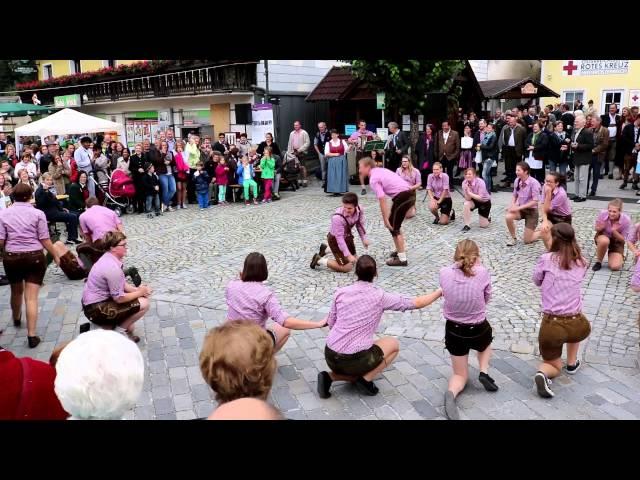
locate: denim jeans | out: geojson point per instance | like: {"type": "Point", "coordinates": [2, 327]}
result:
{"type": "Point", "coordinates": [168, 186]}
{"type": "Point", "coordinates": [276, 183]}
{"type": "Point", "coordinates": [594, 173]}
{"type": "Point", "coordinates": [203, 199]}
{"type": "Point", "coordinates": [155, 199]}
{"type": "Point", "coordinates": [486, 173]}
{"type": "Point", "coordinates": [553, 166]}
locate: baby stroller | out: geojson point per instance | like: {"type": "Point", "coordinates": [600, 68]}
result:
{"type": "Point", "coordinates": [117, 192]}
{"type": "Point", "coordinates": [290, 171]}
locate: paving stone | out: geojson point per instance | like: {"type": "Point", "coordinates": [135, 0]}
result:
{"type": "Point", "coordinates": [425, 409]}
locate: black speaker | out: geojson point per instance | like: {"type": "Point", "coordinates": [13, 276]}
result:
{"type": "Point", "coordinates": [243, 113]}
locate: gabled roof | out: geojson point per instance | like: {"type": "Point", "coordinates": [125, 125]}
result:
{"type": "Point", "coordinates": [511, 86]}
{"type": "Point", "coordinates": [340, 84]}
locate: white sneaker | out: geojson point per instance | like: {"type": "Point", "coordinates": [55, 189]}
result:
{"type": "Point", "coordinates": [542, 383]}
{"type": "Point", "coordinates": [169, 208]}
{"type": "Point", "coordinates": [511, 241]}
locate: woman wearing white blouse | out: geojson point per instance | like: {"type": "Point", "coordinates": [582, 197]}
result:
{"type": "Point", "coordinates": [335, 151]}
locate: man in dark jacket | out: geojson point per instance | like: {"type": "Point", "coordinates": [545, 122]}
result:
{"type": "Point", "coordinates": [600, 145]}
{"type": "Point", "coordinates": [397, 146]}
{"type": "Point", "coordinates": [567, 118]}
{"type": "Point", "coordinates": [512, 139]}
{"type": "Point", "coordinates": [52, 208]}
{"type": "Point", "coordinates": [613, 123]}
{"type": "Point", "coordinates": [582, 150]}
{"type": "Point", "coordinates": [629, 142]}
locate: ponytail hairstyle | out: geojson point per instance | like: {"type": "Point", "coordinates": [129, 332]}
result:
{"type": "Point", "coordinates": [561, 180]}
{"type": "Point", "coordinates": [564, 246]}
{"type": "Point", "coordinates": [467, 254]}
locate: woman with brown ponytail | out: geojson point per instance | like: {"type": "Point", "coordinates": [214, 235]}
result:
{"type": "Point", "coordinates": [559, 274]}
{"type": "Point", "coordinates": [466, 289]}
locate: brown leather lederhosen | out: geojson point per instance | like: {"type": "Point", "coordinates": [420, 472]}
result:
{"type": "Point", "coordinates": [348, 238]}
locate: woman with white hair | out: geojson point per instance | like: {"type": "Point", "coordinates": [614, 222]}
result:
{"type": "Point", "coordinates": [99, 376]}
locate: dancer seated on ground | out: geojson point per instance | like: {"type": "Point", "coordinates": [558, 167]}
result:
{"type": "Point", "coordinates": [249, 299]}
{"type": "Point", "coordinates": [351, 352]}
{"type": "Point", "coordinates": [440, 202]}
{"type": "Point", "coordinates": [612, 229]}
{"type": "Point", "coordinates": [340, 236]}
{"type": "Point", "coordinates": [100, 376]}
{"type": "Point", "coordinates": [52, 208]}
{"type": "Point", "coordinates": [237, 361]}
{"type": "Point", "coordinates": [38, 401]}
{"type": "Point", "coordinates": [477, 196]}
{"type": "Point", "coordinates": [466, 289]}
{"type": "Point", "coordinates": [524, 205]}
{"type": "Point", "coordinates": [410, 175]}
{"type": "Point", "coordinates": [559, 274]}
{"type": "Point", "coordinates": [108, 300]}
{"type": "Point", "coordinates": [554, 205]}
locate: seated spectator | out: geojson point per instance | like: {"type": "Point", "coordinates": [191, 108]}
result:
{"type": "Point", "coordinates": [108, 300]}
{"type": "Point", "coordinates": [36, 402]}
{"type": "Point", "coordinates": [10, 155]}
{"type": "Point", "coordinates": [79, 194]}
{"type": "Point", "coordinates": [237, 361]}
{"type": "Point", "coordinates": [99, 376]}
{"type": "Point", "coordinates": [5, 192]}
{"type": "Point", "coordinates": [6, 170]}
{"type": "Point", "coordinates": [123, 161]}
{"type": "Point", "coordinates": [52, 208]}
{"type": "Point", "coordinates": [26, 164]}
{"type": "Point", "coordinates": [246, 409]}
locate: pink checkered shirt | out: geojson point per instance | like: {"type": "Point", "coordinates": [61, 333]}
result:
{"type": "Point", "coordinates": [465, 298]}
{"type": "Point", "coordinates": [338, 227]}
{"type": "Point", "coordinates": [559, 202]}
{"type": "Point", "coordinates": [477, 187]}
{"type": "Point", "coordinates": [560, 288]}
{"type": "Point", "coordinates": [385, 182]}
{"type": "Point", "coordinates": [412, 179]}
{"type": "Point", "coordinates": [253, 301]}
{"type": "Point", "coordinates": [438, 184]}
{"type": "Point", "coordinates": [527, 190]}
{"type": "Point", "coordinates": [22, 227]}
{"type": "Point", "coordinates": [355, 314]}
{"type": "Point", "coordinates": [625, 224]}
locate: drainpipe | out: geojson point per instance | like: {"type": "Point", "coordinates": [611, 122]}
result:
{"type": "Point", "coordinates": [266, 80]}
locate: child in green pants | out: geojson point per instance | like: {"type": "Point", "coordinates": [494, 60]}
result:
{"type": "Point", "coordinates": [245, 178]}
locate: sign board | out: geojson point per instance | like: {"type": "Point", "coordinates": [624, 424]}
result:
{"type": "Point", "coordinates": [528, 89]}
{"type": "Point", "coordinates": [380, 98]}
{"type": "Point", "coordinates": [383, 133]}
{"type": "Point", "coordinates": [634, 98]}
{"type": "Point", "coordinates": [26, 70]}
{"type": "Point", "coordinates": [65, 101]}
{"type": "Point", "coordinates": [350, 129]}
{"type": "Point", "coordinates": [595, 67]}
{"type": "Point", "coordinates": [163, 119]}
{"type": "Point", "coordinates": [261, 121]}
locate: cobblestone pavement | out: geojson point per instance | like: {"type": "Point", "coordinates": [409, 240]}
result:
{"type": "Point", "coordinates": [188, 256]}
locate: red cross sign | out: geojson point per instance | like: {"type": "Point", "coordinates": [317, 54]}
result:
{"type": "Point", "coordinates": [635, 98]}
{"type": "Point", "coordinates": [570, 67]}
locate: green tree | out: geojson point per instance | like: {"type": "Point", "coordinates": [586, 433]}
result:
{"type": "Point", "coordinates": [407, 83]}
{"type": "Point", "coordinates": [16, 71]}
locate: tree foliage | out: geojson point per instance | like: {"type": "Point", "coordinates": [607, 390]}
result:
{"type": "Point", "coordinates": [12, 72]}
{"type": "Point", "coordinates": [406, 83]}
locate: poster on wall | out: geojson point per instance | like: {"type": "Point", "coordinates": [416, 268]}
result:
{"type": "Point", "coordinates": [262, 122]}
{"type": "Point", "coordinates": [634, 98]}
{"type": "Point", "coordinates": [131, 135]}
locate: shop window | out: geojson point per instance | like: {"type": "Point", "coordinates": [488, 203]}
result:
{"type": "Point", "coordinates": [570, 97]}
{"type": "Point", "coordinates": [47, 71]}
{"type": "Point", "coordinates": [611, 96]}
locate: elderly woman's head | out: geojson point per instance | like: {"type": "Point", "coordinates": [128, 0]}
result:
{"type": "Point", "coordinates": [99, 375]}
{"type": "Point", "coordinates": [237, 361]}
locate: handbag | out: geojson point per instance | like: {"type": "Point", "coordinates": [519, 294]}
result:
{"type": "Point", "coordinates": [478, 158]}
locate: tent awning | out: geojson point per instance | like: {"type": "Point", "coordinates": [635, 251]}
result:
{"type": "Point", "coordinates": [23, 109]}
{"type": "Point", "coordinates": [68, 122]}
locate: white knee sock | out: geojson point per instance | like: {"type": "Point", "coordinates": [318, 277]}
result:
{"type": "Point", "coordinates": [402, 256]}
{"type": "Point", "coordinates": [323, 261]}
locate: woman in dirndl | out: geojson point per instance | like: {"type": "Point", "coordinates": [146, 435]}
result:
{"type": "Point", "coordinates": [335, 151]}
{"type": "Point", "coordinates": [467, 151]}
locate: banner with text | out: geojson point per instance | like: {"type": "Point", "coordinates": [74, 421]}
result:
{"type": "Point", "coordinates": [262, 122]}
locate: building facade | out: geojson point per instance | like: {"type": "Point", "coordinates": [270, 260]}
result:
{"type": "Point", "coordinates": [203, 96]}
{"type": "Point", "coordinates": [603, 81]}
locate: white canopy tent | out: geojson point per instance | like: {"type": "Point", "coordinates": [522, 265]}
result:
{"type": "Point", "coordinates": [68, 122]}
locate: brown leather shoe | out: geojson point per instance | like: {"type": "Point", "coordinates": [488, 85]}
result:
{"type": "Point", "coordinates": [396, 262]}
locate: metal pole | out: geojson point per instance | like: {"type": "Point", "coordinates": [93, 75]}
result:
{"type": "Point", "coordinates": [266, 80]}
{"type": "Point", "coordinates": [384, 156]}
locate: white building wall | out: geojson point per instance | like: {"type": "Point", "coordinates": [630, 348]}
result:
{"type": "Point", "coordinates": [294, 75]}
{"type": "Point", "coordinates": [480, 69]}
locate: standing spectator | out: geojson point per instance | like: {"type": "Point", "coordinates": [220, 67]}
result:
{"type": "Point", "coordinates": [621, 146]}
{"type": "Point", "coordinates": [537, 144]}
{"type": "Point", "coordinates": [10, 154]}
{"type": "Point", "coordinates": [472, 123]}
{"type": "Point", "coordinates": [123, 161]}
{"type": "Point", "coordinates": [299, 144]}
{"type": "Point", "coordinates": [567, 118]}
{"type": "Point", "coordinates": [578, 105]}
{"type": "Point", "coordinates": [359, 139]}
{"type": "Point", "coordinates": [488, 144]}
{"type": "Point", "coordinates": [151, 190]}
{"type": "Point", "coordinates": [448, 149]}
{"type": "Point", "coordinates": [559, 149]}
{"type": "Point", "coordinates": [591, 110]}
{"type": "Point", "coordinates": [221, 145]}
{"type": "Point", "coordinates": [582, 147]}
{"type": "Point", "coordinates": [61, 174]}
{"type": "Point", "coordinates": [335, 151]}
{"type": "Point", "coordinates": [222, 180]}
{"type": "Point", "coordinates": [3, 143]}
{"type": "Point", "coordinates": [136, 165]}
{"type": "Point", "coordinates": [599, 152]}
{"type": "Point", "coordinates": [165, 166]}
{"type": "Point", "coordinates": [396, 146]}
{"type": "Point", "coordinates": [548, 111]}
{"type": "Point", "coordinates": [411, 175]}
{"type": "Point", "coordinates": [467, 148]}
{"type": "Point", "coordinates": [182, 174]}
{"type": "Point", "coordinates": [83, 157]}
{"type": "Point", "coordinates": [211, 159]}
{"type": "Point", "coordinates": [171, 141]}
{"type": "Point", "coordinates": [79, 194]}
{"type": "Point", "coordinates": [23, 234]}
{"type": "Point", "coordinates": [193, 157]}
{"type": "Point", "coordinates": [613, 123]}
{"type": "Point", "coordinates": [629, 143]}
{"type": "Point", "coordinates": [46, 159]}
{"type": "Point", "coordinates": [202, 180]}
{"type": "Point", "coordinates": [425, 149]}
{"type": "Point", "coordinates": [243, 145]}
{"type": "Point", "coordinates": [321, 137]}
{"type": "Point", "coordinates": [498, 122]}
{"type": "Point", "coordinates": [27, 164]}
{"type": "Point", "coordinates": [53, 210]}
{"type": "Point", "coordinates": [267, 167]}
{"type": "Point", "coordinates": [512, 141]}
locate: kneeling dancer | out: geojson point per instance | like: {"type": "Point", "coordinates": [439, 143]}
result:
{"type": "Point", "coordinates": [559, 273]}
{"type": "Point", "coordinates": [340, 236]}
{"type": "Point", "coordinates": [477, 196]}
{"type": "Point", "coordinates": [466, 289]}
{"type": "Point", "coordinates": [524, 205]}
{"type": "Point", "coordinates": [612, 229]}
{"type": "Point", "coordinates": [440, 202]}
{"type": "Point", "coordinates": [554, 205]}
{"type": "Point", "coordinates": [351, 352]}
